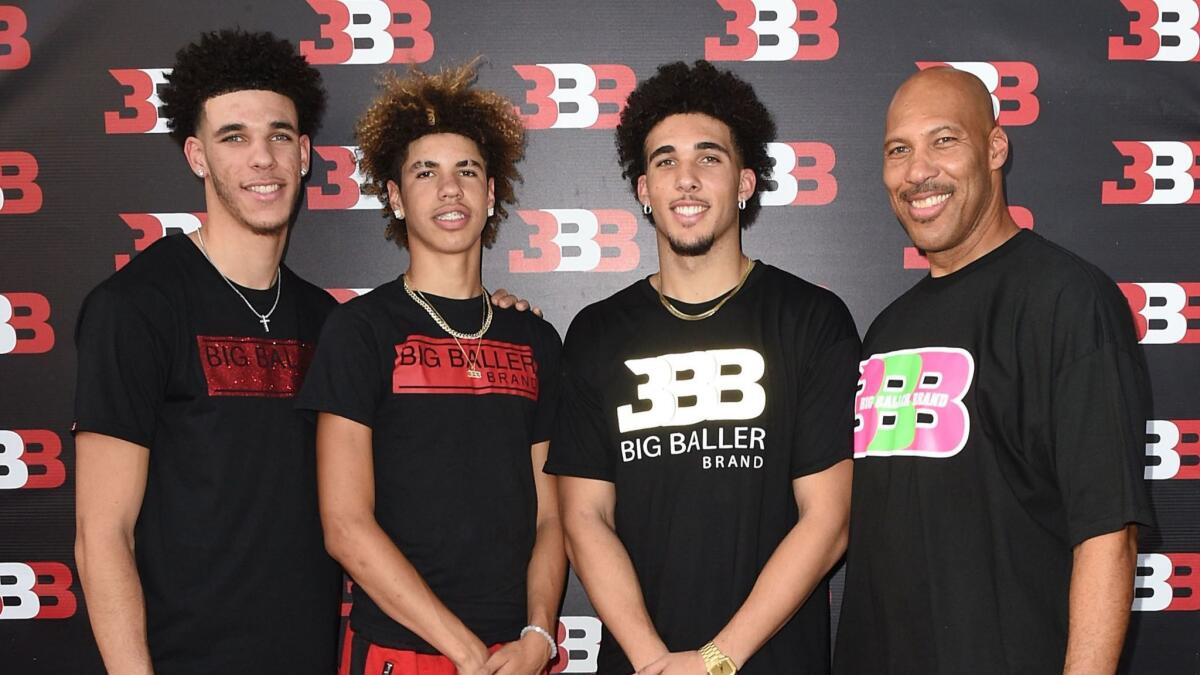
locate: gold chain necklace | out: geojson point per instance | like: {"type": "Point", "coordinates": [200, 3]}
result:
{"type": "Point", "coordinates": [710, 311]}
{"type": "Point", "coordinates": [419, 298]}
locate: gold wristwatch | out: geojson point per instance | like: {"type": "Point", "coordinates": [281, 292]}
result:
{"type": "Point", "coordinates": [715, 661]}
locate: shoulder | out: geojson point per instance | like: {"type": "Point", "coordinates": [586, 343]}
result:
{"type": "Point", "coordinates": [630, 298]}
{"type": "Point", "coordinates": [805, 301]}
{"type": "Point", "coordinates": [311, 295]}
{"type": "Point", "coordinates": [1062, 282]}
{"type": "Point", "coordinates": [152, 281]}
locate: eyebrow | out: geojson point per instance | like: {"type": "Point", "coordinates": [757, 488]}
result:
{"type": "Point", "coordinates": [896, 139]}
{"type": "Point", "coordinates": [702, 145]}
{"type": "Point", "coordinates": [238, 126]}
{"type": "Point", "coordinates": [430, 164]}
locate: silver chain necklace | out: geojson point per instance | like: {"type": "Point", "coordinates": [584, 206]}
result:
{"type": "Point", "coordinates": [264, 319]}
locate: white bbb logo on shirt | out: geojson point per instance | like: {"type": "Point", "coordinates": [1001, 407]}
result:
{"type": "Point", "coordinates": [665, 391]}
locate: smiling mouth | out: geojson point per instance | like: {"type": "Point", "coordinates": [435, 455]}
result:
{"type": "Point", "coordinates": [690, 209]}
{"type": "Point", "coordinates": [929, 202]}
{"type": "Point", "coordinates": [264, 189]}
{"type": "Point", "coordinates": [451, 217]}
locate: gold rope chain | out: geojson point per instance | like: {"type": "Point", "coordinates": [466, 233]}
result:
{"type": "Point", "coordinates": [712, 310]}
{"type": "Point", "coordinates": [419, 298]}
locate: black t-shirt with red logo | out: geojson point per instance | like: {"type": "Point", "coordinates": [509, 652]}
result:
{"type": "Point", "coordinates": [453, 474]}
{"type": "Point", "coordinates": [702, 426]}
{"type": "Point", "coordinates": [1000, 421]}
{"type": "Point", "coordinates": [228, 541]}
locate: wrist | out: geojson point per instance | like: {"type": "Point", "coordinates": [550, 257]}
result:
{"type": "Point", "coordinates": [716, 661]}
{"type": "Point", "coordinates": [542, 636]}
{"type": "Point", "coordinates": [468, 649]}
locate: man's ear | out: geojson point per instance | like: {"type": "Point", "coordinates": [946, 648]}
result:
{"type": "Point", "coordinates": [193, 151]}
{"type": "Point", "coordinates": [395, 200]}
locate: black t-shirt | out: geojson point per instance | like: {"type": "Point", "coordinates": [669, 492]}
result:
{"type": "Point", "coordinates": [453, 473]}
{"type": "Point", "coordinates": [228, 540]}
{"type": "Point", "coordinates": [999, 422]}
{"type": "Point", "coordinates": [702, 426]}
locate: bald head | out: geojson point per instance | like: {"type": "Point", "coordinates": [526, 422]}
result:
{"type": "Point", "coordinates": [954, 92]}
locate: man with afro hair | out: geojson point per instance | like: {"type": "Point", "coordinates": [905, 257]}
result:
{"type": "Point", "coordinates": [435, 409]}
{"type": "Point", "coordinates": [198, 537]}
{"type": "Point", "coordinates": [703, 444]}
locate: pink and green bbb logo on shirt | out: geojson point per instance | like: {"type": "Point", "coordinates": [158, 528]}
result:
{"type": "Point", "coordinates": [909, 403]}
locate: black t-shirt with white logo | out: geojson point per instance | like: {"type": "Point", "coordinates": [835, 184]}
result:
{"type": "Point", "coordinates": [1000, 421]}
{"type": "Point", "coordinates": [228, 541]}
{"type": "Point", "coordinates": [702, 427]}
{"type": "Point", "coordinates": [453, 474]}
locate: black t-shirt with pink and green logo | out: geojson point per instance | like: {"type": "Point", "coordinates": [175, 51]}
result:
{"type": "Point", "coordinates": [999, 421]}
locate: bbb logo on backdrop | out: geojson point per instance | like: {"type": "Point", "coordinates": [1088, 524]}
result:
{"type": "Point", "coordinates": [347, 294]}
{"type": "Point", "coordinates": [29, 459]}
{"type": "Point", "coordinates": [775, 30]}
{"type": "Point", "coordinates": [1156, 172]}
{"type": "Point", "coordinates": [139, 111]}
{"type": "Point", "coordinates": [36, 590]}
{"type": "Point", "coordinates": [1172, 450]}
{"type": "Point", "coordinates": [1164, 313]}
{"type": "Point", "coordinates": [802, 175]}
{"type": "Point", "coordinates": [366, 32]}
{"type": "Point", "coordinates": [914, 258]}
{"type": "Point", "coordinates": [1011, 84]}
{"type": "Point", "coordinates": [14, 48]}
{"type": "Point", "coordinates": [574, 95]}
{"type": "Point", "coordinates": [24, 324]}
{"type": "Point", "coordinates": [344, 177]}
{"type": "Point", "coordinates": [578, 240]}
{"type": "Point", "coordinates": [1164, 30]}
{"type": "Point", "coordinates": [19, 192]}
{"type": "Point", "coordinates": [150, 227]}
{"type": "Point", "coordinates": [1167, 582]}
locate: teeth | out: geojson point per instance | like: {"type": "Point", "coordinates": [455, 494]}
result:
{"type": "Point", "coordinates": [452, 216]}
{"type": "Point", "coordinates": [688, 210]}
{"type": "Point", "coordinates": [930, 201]}
{"type": "Point", "coordinates": [263, 189]}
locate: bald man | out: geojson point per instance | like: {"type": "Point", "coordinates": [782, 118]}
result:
{"type": "Point", "coordinates": [999, 426]}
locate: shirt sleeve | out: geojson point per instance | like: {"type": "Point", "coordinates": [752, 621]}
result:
{"type": "Point", "coordinates": [345, 377]}
{"type": "Point", "coordinates": [123, 368]}
{"type": "Point", "coordinates": [549, 382]}
{"type": "Point", "coordinates": [825, 409]}
{"type": "Point", "coordinates": [580, 444]}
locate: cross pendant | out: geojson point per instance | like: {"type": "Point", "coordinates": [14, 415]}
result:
{"type": "Point", "coordinates": [264, 321]}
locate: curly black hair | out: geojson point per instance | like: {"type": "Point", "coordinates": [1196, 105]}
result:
{"type": "Point", "coordinates": [679, 89]}
{"type": "Point", "coordinates": [226, 61]}
{"type": "Point", "coordinates": [419, 104]}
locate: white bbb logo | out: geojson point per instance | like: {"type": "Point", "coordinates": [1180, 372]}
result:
{"type": "Point", "coordinates": [665, 390]}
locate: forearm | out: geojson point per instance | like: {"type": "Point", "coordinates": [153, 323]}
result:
{"type": "Point", "coordinates": [604, 567]}
{"type": "Point", "coordinates": [115, 604]}
{"type": "Point", "coordinates": [375, 563]}
{"type": "Point", "coordinates": [1100, 597]}
{"type": "Point", "coordinates": [546, 576]}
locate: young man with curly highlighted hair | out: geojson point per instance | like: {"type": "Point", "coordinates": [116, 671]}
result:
{"type": "Point", "coordinates": [703, 445]}
{"type": "Point", "coordinates": [198, 537]}
{"type": "Point", "coordinates": [435, 409]}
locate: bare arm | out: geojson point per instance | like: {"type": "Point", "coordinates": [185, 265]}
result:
{"type": "Point", "coordinates": [346, 482]}
{"type": "Point", "coordinates": [1100, 597]}
{"type": "Point", "coordinates": [109, 485]}
{"type": "Point", "coordinates": [806, 554]}
{"type": "Point", "coordinates": [603, 565]}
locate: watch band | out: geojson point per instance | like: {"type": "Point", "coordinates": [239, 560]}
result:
{"type": "Point", "coordinates": [715, 661]}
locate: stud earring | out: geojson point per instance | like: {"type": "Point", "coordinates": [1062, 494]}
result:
{"type": "Point", "coordinates": [200, 173]}
{"type": "Point", "coordinates": [491, 211]}
{"type": "Point", "coordinates": [398, 213]}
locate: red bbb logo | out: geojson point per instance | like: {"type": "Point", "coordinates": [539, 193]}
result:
{"type": "Point", "coordinates": [914, 258]}
{"type": "Point", "coordinates": [24, 327]}
{"type": "Point", "coordinates": [783, 22]}
{"type": "Point", "coordinates": [578, 645]}
{"type": "Point", "coordinates": [344, 177]}
{"type": "Point", "coordinates": [155, 226]}
{"type": "Point", "coordinates": [14, 48]}
{"type": "Point", "coordinates": [1167, 582]}
{"type": "Point", "coordinates": [578, 240]}
{"type": "Point", "coordinates": [36, 590]}
{"type": "Point", "coordinates": [596, 92]}
{"type": "Point", "coordinates": [19, 194]}
{"type": "Point", "coordinates": [352, 23]}
{"type": "Point", "coordinates": [30, 459]}
{"type": "Point", "coordinates": [1164, 313]}
{"type": "Point", "coordinates": [802, 174]}
{"type": "Point", "coordinates": [347, 294]}
{"type": "Point", "coordinates": [1164, 30]}
{"type": "Point", "coordinates": [1173, 449]}
{"type": "Point", "coordinates": [142, 101]}
{"type": "Point", "coordinates": [1151, 164]}
{"type": "Point", "coordinates": [1011, 83]}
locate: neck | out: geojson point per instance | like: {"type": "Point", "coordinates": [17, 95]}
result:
{"type": "Point", "coordinates": [245, 258]}
{"type": "Point", "coordinates": [696, 279]}
{"type": "Point", "coordinates": [997, 227]}
{"type": "Point", "coordinates": [450, 276]}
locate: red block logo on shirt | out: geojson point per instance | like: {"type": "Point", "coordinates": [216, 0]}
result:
{"type": "Point", "coordinates": [575, 95]}
{"type": "Point", "coordinates": [243, 366]}
{"type": "Point", "coordinates": [914, 258]}
{"type": "Point", "coordinates": [366, 32]}
{"type": "Point", "coordinates": [150, 227]}
{"type": "Point", "coordinates": [803, 174]}
{"type": "Point", "coordinates": [1167, 582]}
{"type": "Point", "coordinates": [1011, 83]}
{"type": "Point", "coordinates": [1164, 30]}
{"type": "Point", "coordinates": [1156, 172]}
{"type": "Point", "coordinates": [24, 324]}
{"type": "Point", "coordinates": [1164, 313]}
{"type": "Point", "coordinates": [1173, 449]}
{"type": "Point", "coordinates": [770, 30]}
{"type": "Point", "coordinates": [19, 193]}
{"type": "Point", "coordinates": [343, 187]}
{"type": "Point", "coordinates": [426, 365]}
{"type": "Point", "coordinates": [578, 240]}
{"type": "Point", "coordinates": [29, 459]}
{"type": "Point", "coordinates": [139, 111]}
{"type": "Point", "coordinates": [14, 48]}
{"type": "Point", "coordinates": [36, 590]}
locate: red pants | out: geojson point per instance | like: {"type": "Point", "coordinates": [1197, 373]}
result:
{"type": "Point", "coordinates": [371, 659]}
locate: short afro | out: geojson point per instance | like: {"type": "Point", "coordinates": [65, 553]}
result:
{"type": "Point", "coordinates": [679, 89]}
{"type": "Point", "coordinates": [419, 104]}
{"type": "Point", "coordinates": [226, 61]}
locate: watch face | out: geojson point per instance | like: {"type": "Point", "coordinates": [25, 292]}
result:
{"type": "Point", "coordinates": [724, 667]}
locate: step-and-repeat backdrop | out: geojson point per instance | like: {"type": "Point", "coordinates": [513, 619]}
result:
{"type": "Point", "coordinates": [1101, 100]}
